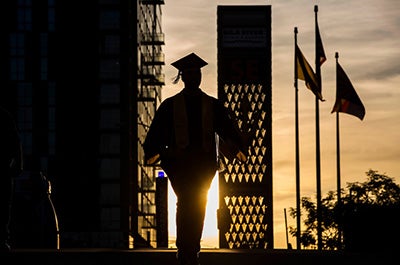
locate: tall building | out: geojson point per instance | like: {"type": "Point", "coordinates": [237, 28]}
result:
{"type": "Point", "coordinates": [245, 88]}
{"type": "Point", "coordinates": [83, 80]}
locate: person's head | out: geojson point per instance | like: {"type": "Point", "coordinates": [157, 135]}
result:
{"type": "Point", "coordinates": [191, 77]}
{"type": "Point", "coordinates": [189, 69]}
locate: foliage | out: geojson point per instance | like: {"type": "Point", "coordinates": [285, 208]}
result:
{"type": "Point", "coordinates": [378, 190]}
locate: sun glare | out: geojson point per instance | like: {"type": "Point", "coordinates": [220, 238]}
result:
{"type": "Point", "coordinates": [210, 231]}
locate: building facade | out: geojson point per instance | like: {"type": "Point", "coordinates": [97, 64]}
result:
{"type": "Point", "coordinates": [83, 80]}
{"type": "Point", "coordinates": [245, 88]}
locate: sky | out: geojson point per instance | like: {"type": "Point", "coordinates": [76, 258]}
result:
{"type": "Point", "coordinates": [366, 35]}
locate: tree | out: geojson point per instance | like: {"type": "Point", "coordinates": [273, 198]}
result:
{"type": "Point", "coordinates": [377, 192]}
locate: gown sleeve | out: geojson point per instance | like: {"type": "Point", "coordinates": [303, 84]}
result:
{"type": "Point", "coordinates": [155, 139]}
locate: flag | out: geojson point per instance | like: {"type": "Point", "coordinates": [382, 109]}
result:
{"type": "Point", "coordinates": [306, 73]}
{"type": "Point", "coordinates": [319, 47]}
{"type": "Point", "coordinates": [347, 100]}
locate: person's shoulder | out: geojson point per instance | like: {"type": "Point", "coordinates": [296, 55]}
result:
{"type": "Point", "coordinates": [212, 98]}
{"type": "Point", "coordinates": [170, 99]}
{"type": "Point", "coordinates": [166, 104]}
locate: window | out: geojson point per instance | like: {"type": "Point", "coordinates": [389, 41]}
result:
{"type": "Point", "coordinates": [109, 19]}
{"type": "Point", "coordinates": [109, 94]}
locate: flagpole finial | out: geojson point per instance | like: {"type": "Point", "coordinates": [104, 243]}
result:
{"type": "Point", "coordinates": [336, 55]}
{"type": "Point", "coordinates": [295, 30]}
{"type": "Point", "coordinates": [316, 8]}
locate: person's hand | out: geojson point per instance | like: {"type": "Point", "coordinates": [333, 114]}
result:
{"type": "Point", "coordinates": [242, 157]}
{"type": "Point", "coordinates": [152, 159]}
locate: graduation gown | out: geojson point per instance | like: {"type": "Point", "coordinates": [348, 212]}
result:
{"type": "Point", "coordinates": [183, 133]}
{"type": "Point", "coordinates": [184, 129]}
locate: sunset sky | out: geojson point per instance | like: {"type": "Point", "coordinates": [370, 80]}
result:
{"type": "Point", "coordinates": [366, 35]}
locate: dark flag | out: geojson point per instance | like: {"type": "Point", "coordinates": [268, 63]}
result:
{"type": "Point", "coordinates": [306, 73]}
{"type": "Point", "coordinates": [347, 100]}
{"type": "Point", "coordinates": [320, 47]}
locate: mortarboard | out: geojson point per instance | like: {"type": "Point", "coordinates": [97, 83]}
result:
{"type": "Point", "coordinates": [188, 62]}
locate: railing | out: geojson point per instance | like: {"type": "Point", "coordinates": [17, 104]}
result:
{"type": "Point", "coordinates": [153, 59]}
{"type": "Point", "coordinates": [153, 38]}
{"type": "Point", "coordinates": [155, 80]}
{"type": "Point", "coordinates": [152, 2]}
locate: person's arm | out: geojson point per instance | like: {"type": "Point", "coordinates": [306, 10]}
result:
{"type": "Point", "coordinates": [152, 160]}
{"type": "Point", "coordinates": [151, 143]}
{"type": "Point", "coordinates": [155, 138]}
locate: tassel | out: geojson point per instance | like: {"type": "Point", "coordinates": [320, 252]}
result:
{"type": "Point", "coordinates": [176, 78]}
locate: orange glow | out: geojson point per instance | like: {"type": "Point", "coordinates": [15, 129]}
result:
{"type": "Point", "coordinates": [210, 231]}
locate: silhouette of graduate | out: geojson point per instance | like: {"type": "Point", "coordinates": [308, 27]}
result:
{"type": "Point", "coordinates": [182, 137]}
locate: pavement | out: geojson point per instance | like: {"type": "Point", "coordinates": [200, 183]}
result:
{"type": "Point", "coordinates": [207, 257]}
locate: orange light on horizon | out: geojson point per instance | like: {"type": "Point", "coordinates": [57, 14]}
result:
{"type": "Point", "coordinates": [210, 231]}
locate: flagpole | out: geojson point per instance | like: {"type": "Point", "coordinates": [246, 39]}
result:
{"type": "Point", "coordinates": [317, 138]}
{"type": "Point", "coordinates": [339, 200]}
{"type": "Point", "coordinates": [298, 209]}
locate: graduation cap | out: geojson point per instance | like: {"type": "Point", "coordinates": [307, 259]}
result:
{"type": "Point", "coordinates": [191, 61]}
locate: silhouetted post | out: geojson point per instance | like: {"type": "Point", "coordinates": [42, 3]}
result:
{"type": "Point", "coordinates": [317, 144]}
{"type": "Point", "coordinates": [339, 200]}
{"type": "Point", "coordinates": [298, 209]}
{"type": "Point", "coordinates": [162, 209]}
{"type": "Point", "coordinates": [289, 246]}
